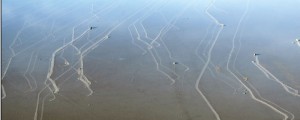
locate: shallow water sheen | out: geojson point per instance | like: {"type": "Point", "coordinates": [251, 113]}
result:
{"type": "Point", "coordinates": [150, 60]}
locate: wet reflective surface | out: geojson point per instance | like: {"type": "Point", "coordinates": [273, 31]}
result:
{"type": "Point", "coordinates": [150, 60]}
